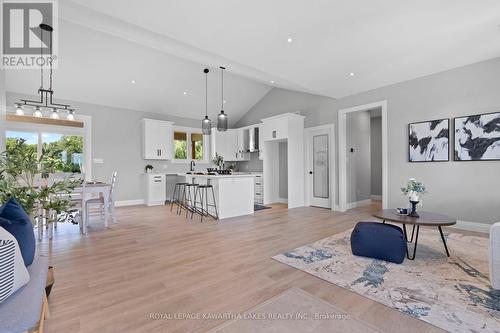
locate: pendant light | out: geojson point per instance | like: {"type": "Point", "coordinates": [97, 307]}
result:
{"type": "Point", "coordinates": [206, 123]}
{"type": "Point", "coordinates": [222, 117]}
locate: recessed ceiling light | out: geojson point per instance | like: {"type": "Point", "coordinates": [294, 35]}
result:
{"type": "Point", "coordinates": [133, 81]}
{"type": "Point", "coordinates": [351, 74]}
{"type": "Point", "coordinates": [224, 101]}
{"type": "Point", "coordinates": [289, 40]}
{"type": "Point", "coordinates": [185, 93]}
{"type": "Point", "coordinates": [272, 82]}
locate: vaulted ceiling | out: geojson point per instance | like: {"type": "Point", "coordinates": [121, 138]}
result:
{"type": "Point", "coordinates": [337, 48]}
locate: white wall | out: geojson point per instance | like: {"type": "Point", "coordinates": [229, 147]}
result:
{"type": "Point", "coordinates": [376, 155]}
{"type": "Point", "coordinates": [2, 110]}
{"type": "Point", "coordinates": [117, 138]}
{"type": "Point", "coordinates": [465, 190]}
{"type": "Point", "coordinates": [283, 169]}
{"type": "Point", "coordinates": [359, 161]}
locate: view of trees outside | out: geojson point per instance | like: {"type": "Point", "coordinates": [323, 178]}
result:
{"type": "Point", "coordinates": [64, 151]}
{"type": "Point", "coordinates": [180, 145]}
{"type": "Point", "coordinates": [197, 146]}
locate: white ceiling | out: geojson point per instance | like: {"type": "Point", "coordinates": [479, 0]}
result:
{"type": "Point", "coordinates": [381, 41]}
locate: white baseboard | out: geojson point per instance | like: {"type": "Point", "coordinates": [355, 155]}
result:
{"type": "Point", "coordinates": [282, 200]}
{"type": "Point", "coordinates": [351, 205]}
{"type": "Point", "coordinates": [124, 203]}
{"type": "Point", "coordinates": [376, 197]}
{"type": "Point", "coordinates": [472, 226]}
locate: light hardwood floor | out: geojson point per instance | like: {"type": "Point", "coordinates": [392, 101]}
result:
{"type": "Point", "coordinates": [111, 280]}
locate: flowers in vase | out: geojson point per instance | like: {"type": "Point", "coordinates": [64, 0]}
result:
{"type": "Point", "coordinates": [414, 189]}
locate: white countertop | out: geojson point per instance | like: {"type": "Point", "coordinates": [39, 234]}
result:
{"type": "Point", "coordinates": [215, 176]}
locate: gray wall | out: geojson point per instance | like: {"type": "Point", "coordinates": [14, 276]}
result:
{"type": "Point", "coordinates": [376, 155]}
{"type": "Point", "coordinates": [358, 162]}
{"type": "Point", "coordinates": [117, 138]}
{"type": "Point", "coordinates": [466, 190]}
{"type": "Point", "coordinates": [283, 170]}
{"type": "Point", "coordinates": [2, 110]}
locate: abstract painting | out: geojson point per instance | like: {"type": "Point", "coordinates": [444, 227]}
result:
{"type": "Point", "coordinates": [477, 138]}
{"type": "Point", "coordinates": [429, 141]}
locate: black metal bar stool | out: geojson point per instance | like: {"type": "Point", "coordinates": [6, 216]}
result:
{"type": "Point", "coordinates": [178, 195]}
{"type": "Point", "coordinates": [202, 193]}
{"type": "Point", "coordinates": [189, 198]}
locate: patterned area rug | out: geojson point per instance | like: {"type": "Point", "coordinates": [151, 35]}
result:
{"type": "Point", "coordinates": [453, 294]}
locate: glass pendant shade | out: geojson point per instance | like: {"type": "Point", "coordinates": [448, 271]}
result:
{"type": "Point", "coordinates": [206, 126]}
{"type": "Point", "coordinates": [71, 115]}
{"type": "Point", "coordinates": [55, 114]}
{"type": "Point", "coordinates": [222, 122]}
{"type": "Point", "coordinates": [37, 113]}
{"type": "Point", "coordinates": [19, 110]}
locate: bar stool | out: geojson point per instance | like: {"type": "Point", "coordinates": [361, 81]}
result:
{"type": "Point", "coordinates": [202, 193]}
{"type": "Point", "coordinates": [178, 195]}
{"type": "Point", "coordinates": [189, 198]}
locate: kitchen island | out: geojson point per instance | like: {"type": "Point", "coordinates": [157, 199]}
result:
{"type": "Point", "coordinates": [234, 194]}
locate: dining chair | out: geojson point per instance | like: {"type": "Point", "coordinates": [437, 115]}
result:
{"type": "Point", "coordinates": [100, 202]}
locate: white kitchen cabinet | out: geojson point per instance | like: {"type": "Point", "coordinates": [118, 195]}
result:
{"type": "Point", "coordinates": [156, 189]}
{"type": "Point", "coordinates": [229, 144]}
{"type": "Point", "coordinates": [274, 128]}
{"type": "Point", "coordinates": [157, 139]}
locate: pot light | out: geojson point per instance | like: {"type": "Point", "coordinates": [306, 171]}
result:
{"type": "Point", "coordinates": [351, 74]}
{"type": "Point", "coordinates": [133, 81]}
{"type": "Point", "coordinates": [224, 101]}
{"type": "Point", "coordinates": [272, 82]}
{"type": "Point", "coordinates": [37, 113]}
{"type": "Point", "coordinates": [289, 40]}
{"type": "Point", "coordinates": [185, 93]}
{"type": "Point", "coordinates": [19, 109]}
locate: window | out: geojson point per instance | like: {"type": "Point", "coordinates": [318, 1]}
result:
{"type": "Point", "coordinates": [197, 146]}
{"type": "Point", "coordinates": [180, 145]}
{"type": "Point", "coordinates": [65, 151]}
{"type": "Point", "coordinates": [30, 139]}
{"type": "Point", "coordinates": [189, 144]}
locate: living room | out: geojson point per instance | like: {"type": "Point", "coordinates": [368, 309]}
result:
{"type": "Point", "coordinates": [184, 167]}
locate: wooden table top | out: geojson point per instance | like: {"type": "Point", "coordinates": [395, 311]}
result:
{"type": "Point", "coordinates": [426, 218]}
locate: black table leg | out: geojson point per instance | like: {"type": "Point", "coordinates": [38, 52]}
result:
{"type": "Point", "coordinates": [444, 241]}
{"type": "Point", "coordinates": [406, 235]}
{"type": "Point", "coordinates": [415, 245]}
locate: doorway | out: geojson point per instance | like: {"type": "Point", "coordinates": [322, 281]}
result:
{"type": "Point", "coordinates": [346, 154]}
{"type": "Point", "coordinates": [319, 166]}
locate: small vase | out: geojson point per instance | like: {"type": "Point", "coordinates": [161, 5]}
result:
{"type": "Point", "coordinates": [413, 212]}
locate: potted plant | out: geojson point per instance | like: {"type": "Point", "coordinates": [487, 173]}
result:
{"type": "Point", "coordinates": [148, 168]}
{"type": "Point", "coordinates": [218, 160]}
{"type": "Point", "coordinates": [414, 190]}
{"type": "Point", "coordinates": [19, 167]}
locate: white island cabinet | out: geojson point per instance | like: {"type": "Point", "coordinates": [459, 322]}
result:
{"type": "Point", "coordinates": [234, 194]}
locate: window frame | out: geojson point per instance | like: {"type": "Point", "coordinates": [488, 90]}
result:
{"type": "Point", "coordinates": [189, 131]}
{"type": "Point", "coordinates": [39, 129]}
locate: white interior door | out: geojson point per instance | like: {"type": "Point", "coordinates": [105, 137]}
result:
{"type": "Point", "coordinates": [319, 160]}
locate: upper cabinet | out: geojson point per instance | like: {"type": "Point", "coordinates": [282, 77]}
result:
{"type": "Point", "coordinates": [230, 145]}
{"type": "Point", "coordinates": [280, 127]}
{"type": "Point", "coordinates": [157, 139]}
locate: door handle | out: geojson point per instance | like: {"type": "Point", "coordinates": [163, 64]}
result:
{"type": "Point", "coordinates": [310, 172]}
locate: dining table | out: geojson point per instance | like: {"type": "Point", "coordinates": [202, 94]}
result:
{"type": "Point", "coordinates": [89, 190]}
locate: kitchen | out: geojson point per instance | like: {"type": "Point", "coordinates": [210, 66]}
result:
{"type": "Point", "coordinates": [240, 182]}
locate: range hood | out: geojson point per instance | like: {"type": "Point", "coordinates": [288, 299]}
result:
{"type": "Point", "coordinates": [251, 139]}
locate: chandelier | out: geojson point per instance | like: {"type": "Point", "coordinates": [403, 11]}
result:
{"type": "Point", "coordinates": [46, 95]}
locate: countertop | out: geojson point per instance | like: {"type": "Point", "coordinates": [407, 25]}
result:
{"type": "Point", "coordinates": [215, 176]}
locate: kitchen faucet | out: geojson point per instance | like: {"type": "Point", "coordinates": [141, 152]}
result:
{"type": "Point", "coordinates": [191, 168]}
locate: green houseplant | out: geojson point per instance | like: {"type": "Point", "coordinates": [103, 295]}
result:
{"type": "Point", "coordinates": [148, 168]}
{"type": "Point", "coordinates": [19, 168]}
{"type": "Point", "coordinates": [218, 160]}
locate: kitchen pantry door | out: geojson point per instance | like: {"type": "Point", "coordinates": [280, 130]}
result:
{"type": "Point", "coordinates": [319, 160]}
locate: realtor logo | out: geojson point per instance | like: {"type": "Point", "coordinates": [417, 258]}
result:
{"type": "Point", "coordinates": [24, 44]}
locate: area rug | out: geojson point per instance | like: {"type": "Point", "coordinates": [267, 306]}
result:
{"type": "Point", "coordinates": [451, 293]}
{"type": "Point", "coordinates": [295, 311]}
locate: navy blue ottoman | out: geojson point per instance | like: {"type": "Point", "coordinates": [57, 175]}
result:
{"type": "Point", "coordinates": [378, 240]}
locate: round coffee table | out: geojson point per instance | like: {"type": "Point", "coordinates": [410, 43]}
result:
{"type": "Point", "coordinates": [426, 219]}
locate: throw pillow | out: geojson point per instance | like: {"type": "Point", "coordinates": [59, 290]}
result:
{"type": "Point", "coordinates": [13, 273]}
{"type": "Point", "coordinates": [14, 219]}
